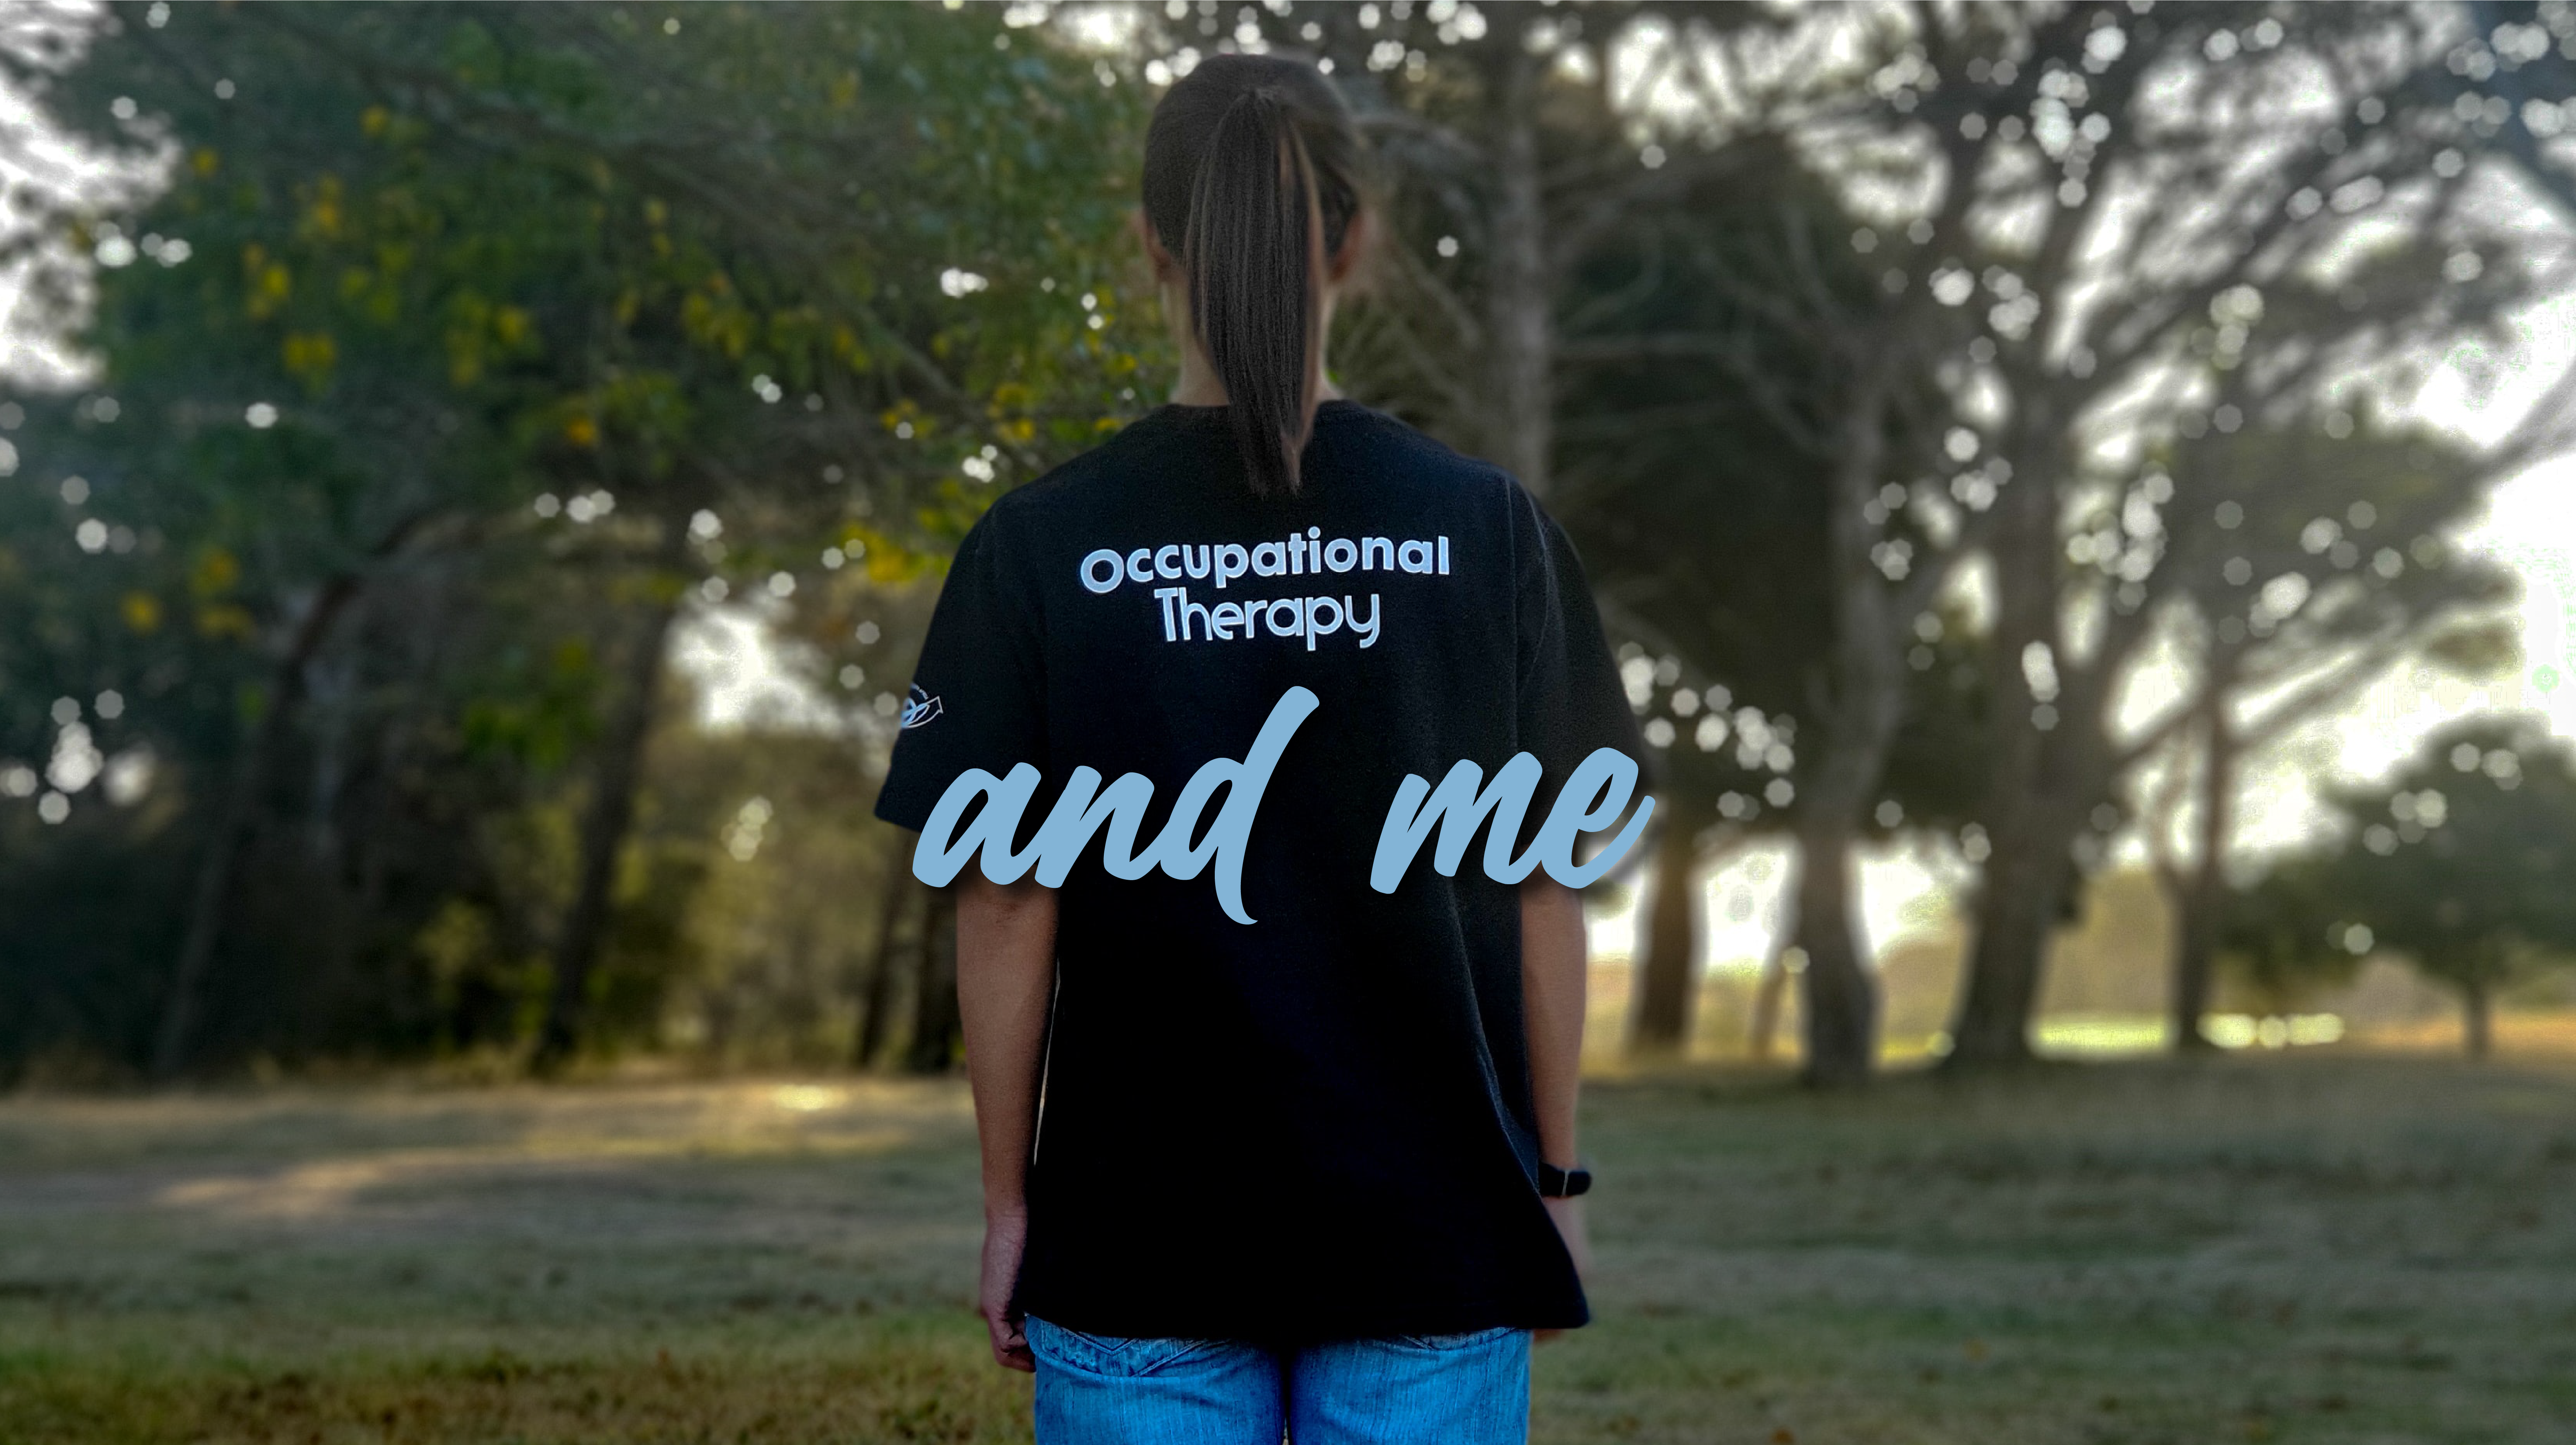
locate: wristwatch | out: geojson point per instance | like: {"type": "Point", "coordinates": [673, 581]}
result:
{"type": "Point", "coordinates": [1555, 1183]}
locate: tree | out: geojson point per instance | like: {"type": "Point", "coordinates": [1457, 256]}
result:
{"type": "Point", "coordinates": [2516, 65]}
{"type": "Point", "coordinates": [898, 893]}
{"type": "Point", "coordinates": [1697, 518]}
{"type": "Point", "coordinates": [2459, 861]}
{"type": "Point", "coordinates": [2148, 221]}
{"type": "Point", "coordinates": [582, 306]}
{"type": "Point", "coordinates": [2321, 568]}
{"type": "Point", "coordinates": [935, 1031]}
{"type": "Point", "coordinates": [2285, 933]}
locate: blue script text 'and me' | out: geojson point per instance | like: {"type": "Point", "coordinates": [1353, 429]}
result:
{"type": "Point", "coordinates": [1591, 800]}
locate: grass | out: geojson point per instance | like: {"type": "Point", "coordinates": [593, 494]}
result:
{"type": "Point", "coordinates": [2328, 1246]}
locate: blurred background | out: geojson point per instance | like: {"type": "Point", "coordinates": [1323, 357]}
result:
{"type": "Point", "coordinates": [2080, 492]}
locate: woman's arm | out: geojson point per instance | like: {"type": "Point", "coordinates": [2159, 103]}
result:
{"type": "Point", "coordinates": [1005, 981]}
{"type": "Point", "coordinates": [1552, 984]}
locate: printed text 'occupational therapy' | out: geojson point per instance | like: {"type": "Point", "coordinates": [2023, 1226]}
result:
{"type": "Point", "coordinates": [1186, 618]}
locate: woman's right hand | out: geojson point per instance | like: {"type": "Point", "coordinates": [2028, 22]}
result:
{"type": "Point", "coordinates": [1006, 1238]}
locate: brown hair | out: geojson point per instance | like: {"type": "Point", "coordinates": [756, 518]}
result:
{"type": "Point", "coordinates": [1253, 174]}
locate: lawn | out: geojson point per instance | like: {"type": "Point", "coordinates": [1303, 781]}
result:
{"type": "Point", "coordinates": [2334, 1246]}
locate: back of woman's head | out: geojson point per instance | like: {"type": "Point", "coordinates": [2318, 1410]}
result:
{"type": "Point", "coordinates": [1253, 177]}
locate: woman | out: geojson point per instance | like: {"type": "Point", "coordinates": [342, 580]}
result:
{"type": "Point", "coordinates": [1314, 1172]}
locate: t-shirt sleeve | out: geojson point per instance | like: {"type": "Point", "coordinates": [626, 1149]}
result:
{"type": "Point", "coordinates": [1571, 702]}
{"type": "Point", "coordinates": [979, 692]}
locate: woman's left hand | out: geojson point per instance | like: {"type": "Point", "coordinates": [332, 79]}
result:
{"type": "Point", "coordinates": [1568, 1214]}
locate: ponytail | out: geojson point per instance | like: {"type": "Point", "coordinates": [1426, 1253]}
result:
{"type": "Point", "coordinates": [1251, 180]}
{"type": "Point", "coordinates": [1252, 258]}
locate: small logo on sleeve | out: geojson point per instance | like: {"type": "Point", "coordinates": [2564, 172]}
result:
{"type": "Point", "coordinates": [919, 707]}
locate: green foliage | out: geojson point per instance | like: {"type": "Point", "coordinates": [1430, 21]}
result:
{"type": "Point", "coordinates": [1700, 501]}
{"type": "Point", "coordinates": [2289, 933]}
{"type": "Point", "coordinates": [453, 345]}
{"type": "Point", "coordinates": [2463, 856]}
{"type": "Point", "coordinates": [2303, 540]}
{"type": "Point", "coordinates": [2458, 861]}
{"type": "Point", "coordinates": [579, 251]}
{"type": "Point", "coordinates": [1699, 510]}
{"type": "Point", "coordinates": [453, 341]}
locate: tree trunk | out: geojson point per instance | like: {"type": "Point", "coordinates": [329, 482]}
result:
{"type": "Point", "coordinates": [213, 888]}
{"type": "Point", "coordinates": [1856, 722]}
{"type": "Point", "coordinates": [1523, 325]}
{"type": "Point", "coordinates": [2054, 757]}
{"type": "Point", "coordinates": [877, 1001]}
{"type": "Point", "coordinates": [2200, 905]}
{"type": "Point", "coordinates": [1667, 976]}
{"type": "Point", "coordinates": [2026, 869]}
{"type": "Point", "coordinates": [934, 1004]}
{"type": "Point", "coordinates": [608, 817]}
{"type": "Point", "coordinates": [1772, 987]}
{"type": "Point", "coordinates": [1839, 996]}
{"type": "Point", "coordinates": [2017, 905]}
{"type": "Point", "coordinates": [208, 899]}
{"type": "Point", "coordinates": [2194, 907]}
{"type": "Point", "coordinates": [2477, 1018]}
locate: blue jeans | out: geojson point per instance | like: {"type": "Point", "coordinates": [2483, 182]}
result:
{"type": "Point", "coordinates": [1470, 1389]}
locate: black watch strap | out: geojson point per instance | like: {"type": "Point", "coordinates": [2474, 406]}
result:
{"type": "Point", "coordinates": [1555, 1183]}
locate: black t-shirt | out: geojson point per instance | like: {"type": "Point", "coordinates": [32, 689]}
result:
{"type": "Point", "coordinates": [1317, 1125]}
